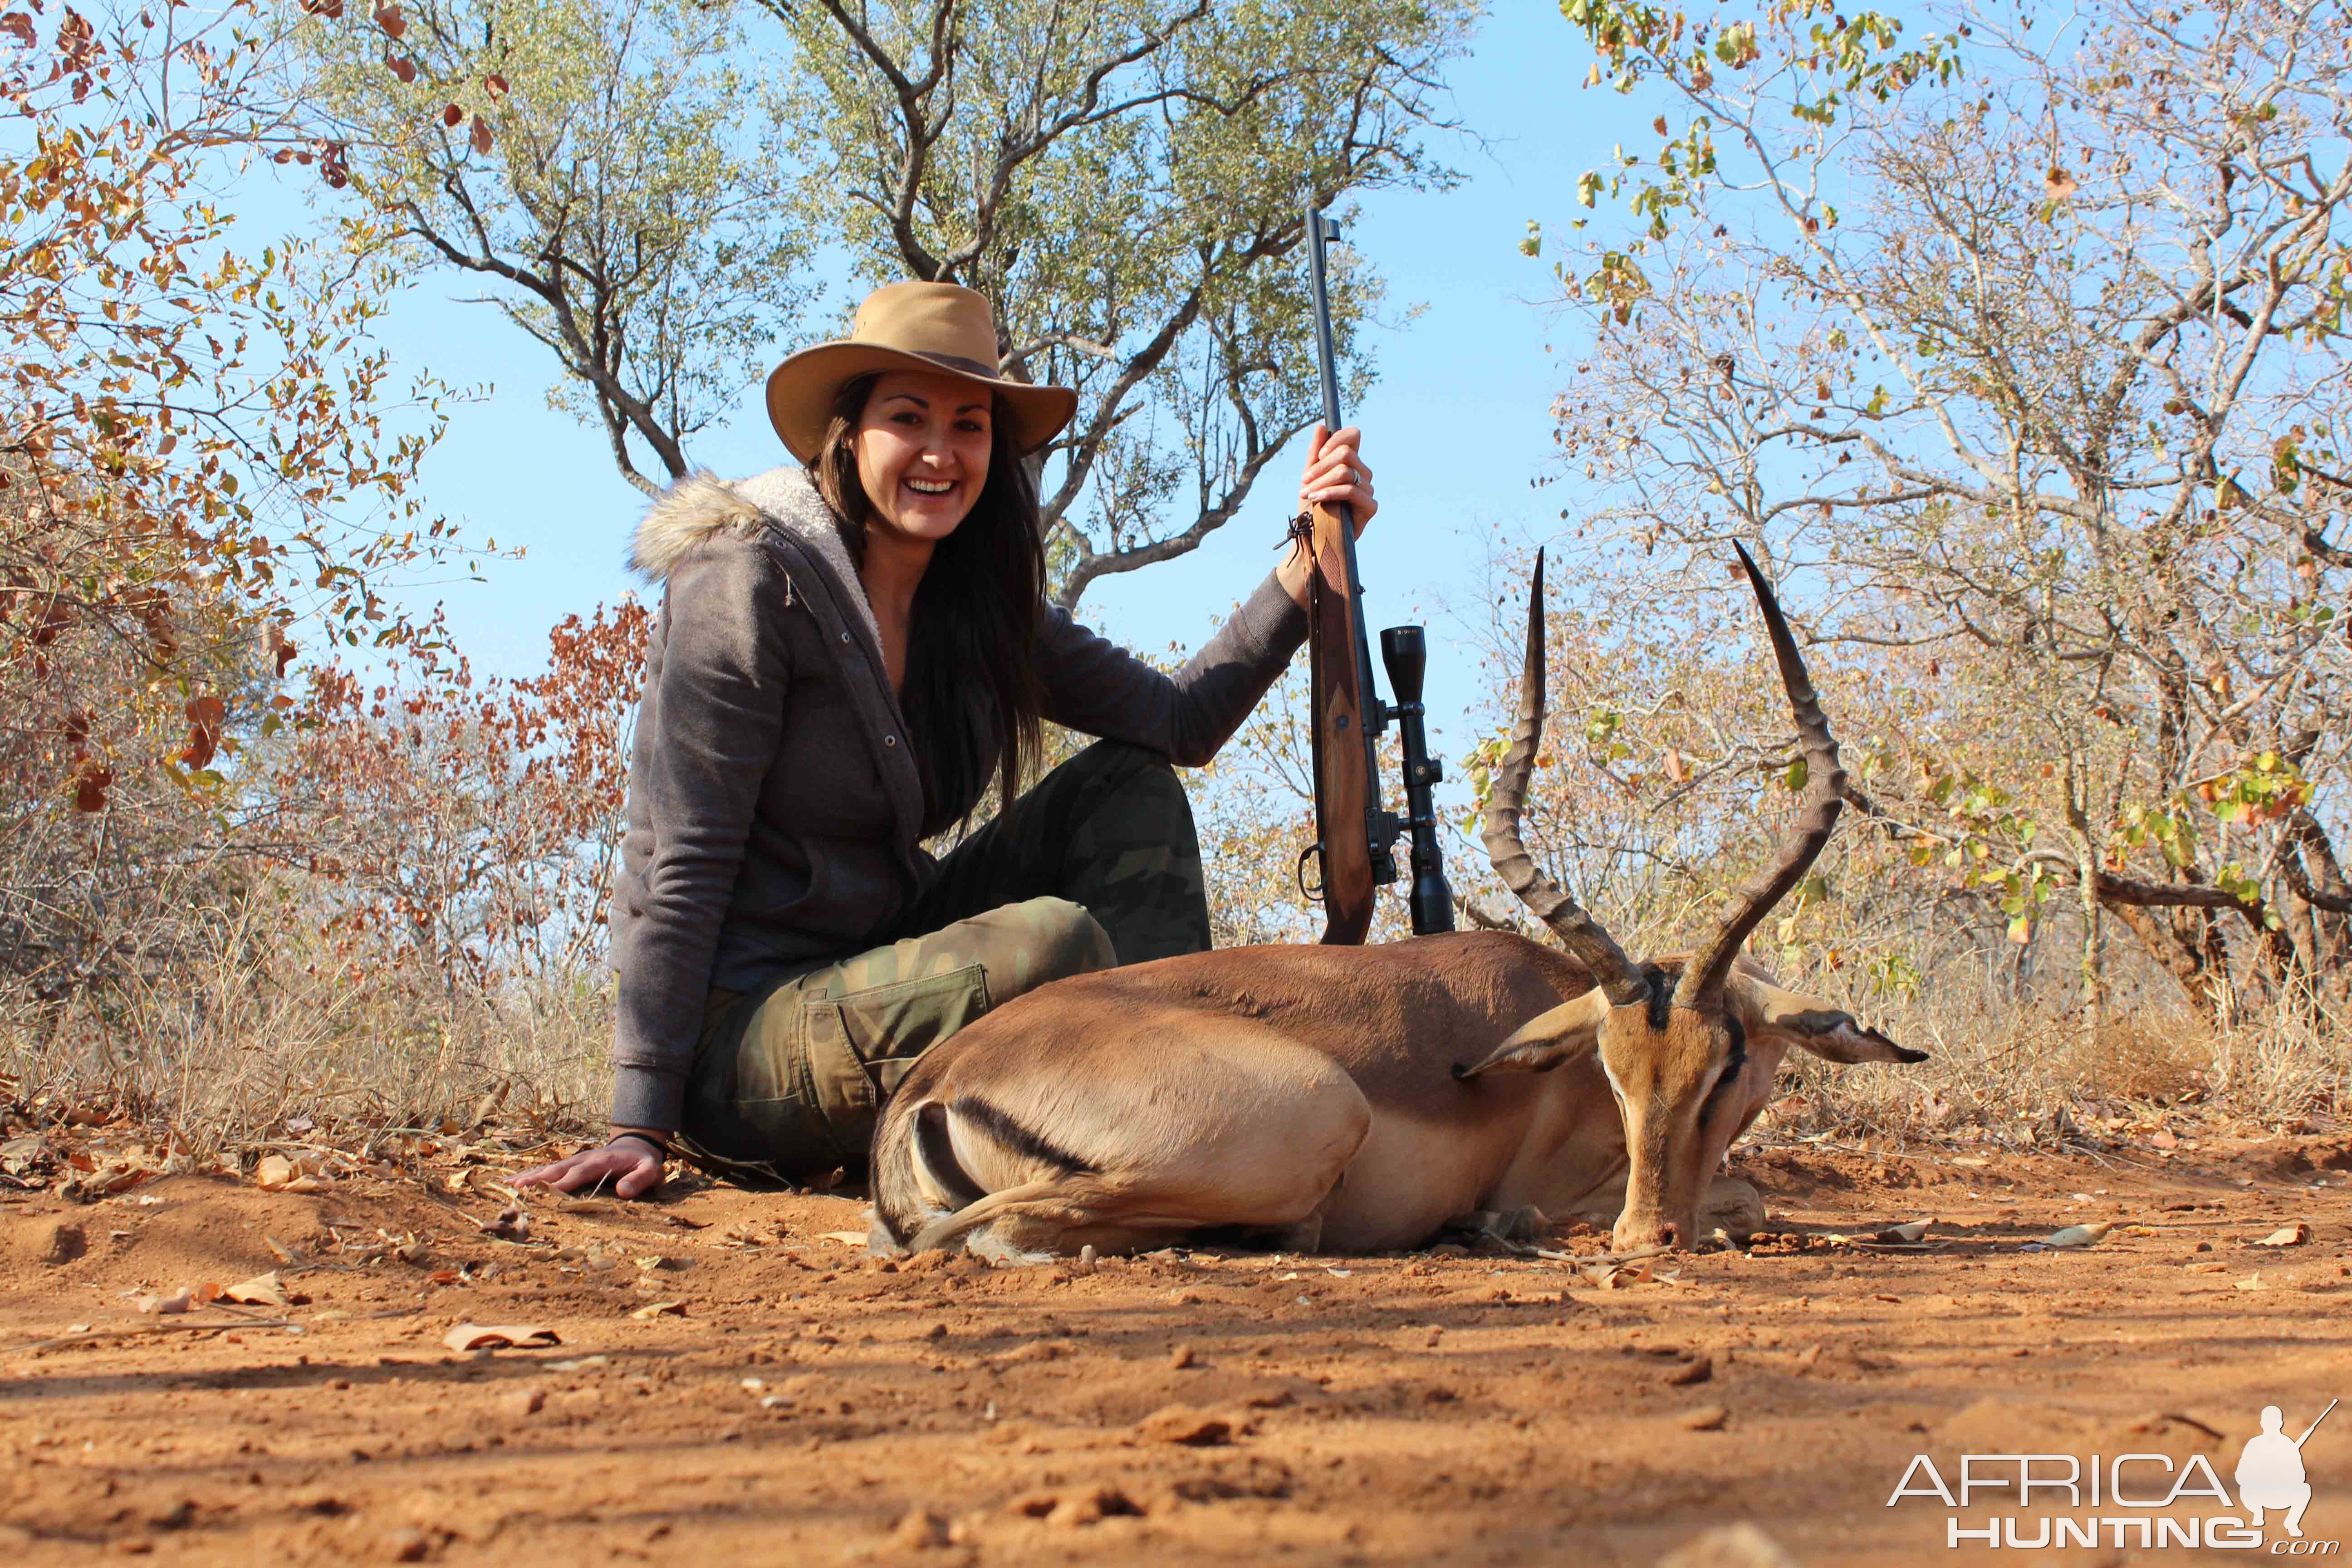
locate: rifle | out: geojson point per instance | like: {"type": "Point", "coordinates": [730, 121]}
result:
{"type": "Point", "coordinates": [1355, 838]}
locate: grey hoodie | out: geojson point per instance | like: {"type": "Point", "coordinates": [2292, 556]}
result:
{"type": "Point", "coordinates": [774, 810]}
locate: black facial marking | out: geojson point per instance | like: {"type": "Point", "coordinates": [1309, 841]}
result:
{"type": "Point", "coordinates": [1734, 1064]}
{"type": "Point", "coordinates": [1662, 993]}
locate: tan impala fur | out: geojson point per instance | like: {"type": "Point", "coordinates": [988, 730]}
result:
{"type": "Point", "coordinates": [1340, 1097]}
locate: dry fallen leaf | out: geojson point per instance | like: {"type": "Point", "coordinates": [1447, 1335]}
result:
{"type": "Point", "coordinates": [2295, 1235]}
{"type": "Point", "coordinates": [468, 1337]}
{"type": "Point", "coordinates": [653, 1310]}
{"type": "Point", "coordinates": [846, 1237]}
{"type": "Point", "coordinates": [177, 1301]}
{"type": "Point", "coordinates": [1915, 1230]}
{"type": "Point", "coordinates": [2089, 1234]}
{"type": "Point", "coordinates": [2251, 1282]}
{"type": "Point", "coordinates": [261, 1290]}
{"type": "Point", "coordinates": [276, 1174]}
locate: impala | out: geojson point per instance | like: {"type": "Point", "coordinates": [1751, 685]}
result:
{"type": "Point", "coordinates": [1346, 1099]}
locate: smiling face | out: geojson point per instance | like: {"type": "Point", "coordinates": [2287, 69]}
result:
{"type": "Point", "coordinates": [921, 445]}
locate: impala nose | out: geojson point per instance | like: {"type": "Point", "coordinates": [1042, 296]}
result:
{"type": "Point", "coordinates": [1632, 1234]}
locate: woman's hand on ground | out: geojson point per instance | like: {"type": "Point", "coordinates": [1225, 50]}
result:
{"type": "Point", "coordinates": [630, 1163]}
{"type": "Point", "coordinates": [1336, 472]}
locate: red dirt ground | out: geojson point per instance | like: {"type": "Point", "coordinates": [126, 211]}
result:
{"type": "Point", "coordinates": [813, 1406]}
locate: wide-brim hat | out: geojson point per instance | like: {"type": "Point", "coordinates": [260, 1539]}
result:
{"type": "Point", "coordinates": [934, 327]}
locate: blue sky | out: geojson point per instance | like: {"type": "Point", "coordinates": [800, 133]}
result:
{"type": "Point", "coordinates": [1457, 427]}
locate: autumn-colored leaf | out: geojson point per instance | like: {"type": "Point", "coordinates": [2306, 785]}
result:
{"type": "Point", "coordinates": [276, 1174]}
{"type": "Point", "coordinates": [2058, 184]}
{"type": "Point", "coordinates": [91, 787]}
{"type": "Point", "coordinates": [401, 65]}
{"type": "Point", "coordinates": [497, 85]}
{"type": "Point", "coordinates": [452, 115]}
{"type": "Point", "coordinates": [481, 137]}
{"type": "Point", "coordinates": [388, 17]}
{"type": "Point", "coordinates": [261, 1290]}
{"type": "Point", "coordinates": [468, 1337]}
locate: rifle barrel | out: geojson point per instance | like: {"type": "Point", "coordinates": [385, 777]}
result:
{"type": "Point", "coordinates": [2307, 1431]}
{"type": "Point", "coordinates": [1320, 231]}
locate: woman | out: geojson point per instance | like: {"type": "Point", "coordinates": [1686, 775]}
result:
{"type": "Point", "coordinates": [848, 655]}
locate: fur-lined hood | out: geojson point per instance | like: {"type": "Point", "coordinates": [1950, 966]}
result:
{"type": "Point", "coordinates": [702, 505]}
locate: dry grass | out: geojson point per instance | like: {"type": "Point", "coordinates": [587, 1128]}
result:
{"type": "Point", "coordinates": [2020, 1079]}
{"type": "Point", "coordinates": [263, 1026]}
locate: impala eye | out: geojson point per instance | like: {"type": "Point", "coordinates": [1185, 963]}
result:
{"type": "Point", "coordinates": [1735, 1061]}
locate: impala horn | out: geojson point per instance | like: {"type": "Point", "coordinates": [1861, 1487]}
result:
{"type": "Point", "coordinates": [1701, 986]}
{"type": "Point", "coordinates": [1616, 975]}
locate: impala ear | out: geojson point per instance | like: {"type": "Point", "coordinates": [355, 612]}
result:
{"type": "Point", "coordinates": [1811, 1023]}
{"type": "Point", "coordinates": [1549, 1040]}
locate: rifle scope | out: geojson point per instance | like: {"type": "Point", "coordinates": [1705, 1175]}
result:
{"type": "Point", "coordinates": [1430, 901]}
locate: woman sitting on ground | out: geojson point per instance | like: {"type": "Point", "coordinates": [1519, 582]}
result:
{"type": "Point", "coordinates": [848, 654]}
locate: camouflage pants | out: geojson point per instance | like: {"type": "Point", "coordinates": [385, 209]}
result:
{"type": "Point", "coordinates": [1098, 867]}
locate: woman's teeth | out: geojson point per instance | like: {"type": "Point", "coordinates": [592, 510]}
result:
{"type": "Point", "coordinates": [931, 486]}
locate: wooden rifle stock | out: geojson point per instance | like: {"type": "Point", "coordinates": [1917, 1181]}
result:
{"type": "Point", "coordinates": [1347, 780]}
{"type": "Point", "coordinates": [1352, 834]}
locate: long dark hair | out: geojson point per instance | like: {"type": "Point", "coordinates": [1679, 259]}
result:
{"type": "Point", "coordinates": [973, 693]}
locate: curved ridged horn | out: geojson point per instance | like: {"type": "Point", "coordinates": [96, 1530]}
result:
{"type": "Point", "coordinates": [1615, 973]}
{"type": "Point", "coordinates": [1703, 976]}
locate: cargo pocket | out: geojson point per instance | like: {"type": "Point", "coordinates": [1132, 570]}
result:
{"type": "Point", "coordinates": [859, 1046]}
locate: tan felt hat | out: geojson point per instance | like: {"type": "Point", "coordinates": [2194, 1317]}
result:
{"type": "Point", "coordinates": [911, 326]}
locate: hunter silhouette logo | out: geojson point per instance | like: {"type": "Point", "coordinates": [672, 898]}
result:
{"type": "Point", "coordinates": [2142, 1499]}
{"type": "Point", "coordinates": [2270, 1473]}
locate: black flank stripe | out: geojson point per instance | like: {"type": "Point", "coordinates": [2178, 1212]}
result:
{"type": "Point", "coordinates": [938, 1156]}
{"type": "Point", "coordinates": [1017, 1138]}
